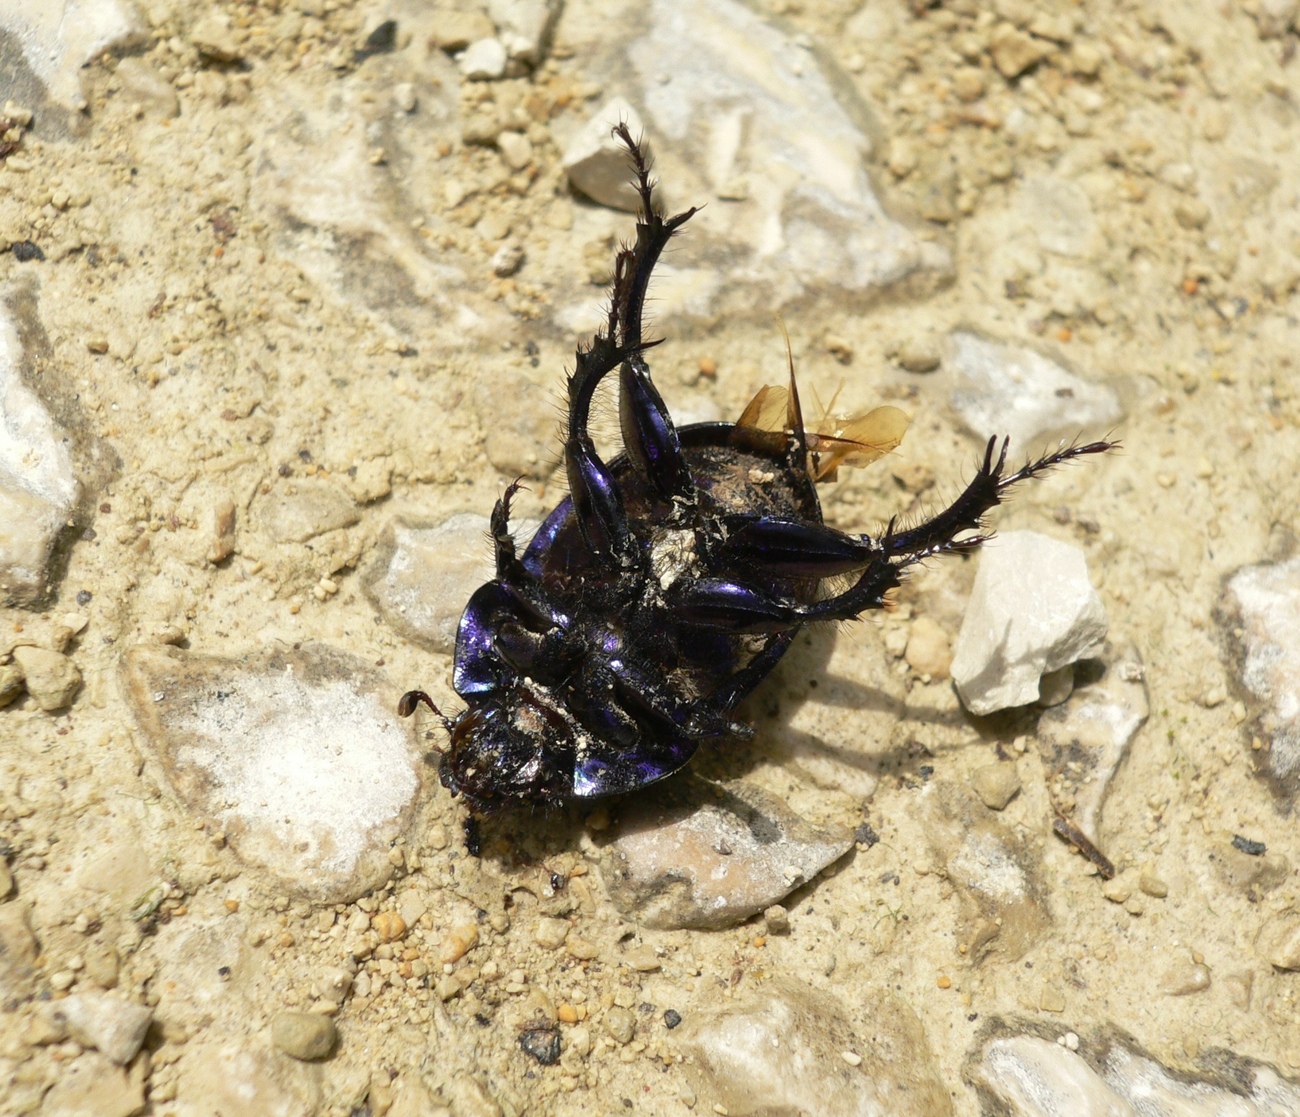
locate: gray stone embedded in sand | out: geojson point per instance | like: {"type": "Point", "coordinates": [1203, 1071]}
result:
{"type": "Point", "coordinates": [1084, 740]}
{"type": "Point", "coordinates": [738, 111]}
{"type": "Point", "coordinates": [1032, 610]}
{"type": "Point", "coordinates": [59, 37]}
{"type": "Point", "coordinates": [1007, 389]}
{"type": "Point", "coordinates": [1035, 1077]}
{"type": "Point", "coordinates": [38, 487]}
{"type": "Point", "coordinates": [298, 756]}
{"type": "Point", "coordinates": [423, 575]}
{"type": "Point", "coordinates": [788, 1048]}
{"type": "Point", "coordinates": [1262, 608]}
{"type": "Point", "coordinates": [703, 855]}
{"type": "Point", "coordinates": [114, 1027]}
{"type": "Point", "coordinates": [597, 164]}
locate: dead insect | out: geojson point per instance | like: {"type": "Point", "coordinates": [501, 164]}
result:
{"type": "Point", "coordinates": [672, 579]}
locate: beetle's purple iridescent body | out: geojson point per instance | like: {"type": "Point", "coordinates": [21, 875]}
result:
{"type": "Point", "coordinates": [666, 586]}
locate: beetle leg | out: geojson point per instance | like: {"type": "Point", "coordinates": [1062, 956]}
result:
{"type": "Point", "coordinates": [595, 702]}
{"type": "Point", "coordinates": [984, 493]}
{"type": "Point", "coordinates": [508, 564]}
{"type": "Point", "coordinates": [649, 436]}
{"type": "Point", "coordinates": [793, 549]}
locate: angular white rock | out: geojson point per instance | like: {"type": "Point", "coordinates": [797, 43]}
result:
{"type": "Point", "coordinates": [1266, 600]}
{"type": "Point", "coordinates": [1007, 389]}
{"type": "Point", "coordinates": [1032, 610]}
{"type": "Point", "coordinates": [524, 26]}
{"type": "Point", "coordinates": [59, 38]}
{"type": "Point", "coordinates": [297, 756]}
{"type": "Point", "coordinates": [484, 60]}
{"type": "Point", "coordinates": [597, 164]}
{"type": "Point", "coordinates": [740, 112]}
{"type": "Point", "coordinates": [38, 487]}
{"type": "Point", "coordinates": [114, 1027]}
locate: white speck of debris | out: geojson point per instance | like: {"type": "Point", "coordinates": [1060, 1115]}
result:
{"type": "Point", "coordinates": [985, 863]}
{"type": "Point", "coordinates": [327, 767]}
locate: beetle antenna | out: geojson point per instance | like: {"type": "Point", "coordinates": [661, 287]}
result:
{"type": "Point", "coordinates": [412, 698]}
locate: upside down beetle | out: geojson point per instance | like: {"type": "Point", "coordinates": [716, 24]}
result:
{"type": "Point", "coordinates": [672, 579]}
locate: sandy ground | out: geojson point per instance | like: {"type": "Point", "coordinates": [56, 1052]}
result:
{"type": "Point", "coordinates": [265, 271]}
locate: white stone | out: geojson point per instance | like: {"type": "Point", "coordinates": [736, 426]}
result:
{"type": "Point", "coordinates": [1038, 1078]}
{"type": "Point", "coordinates": [742, 116]}
{"type": "Point", "coordinates": [59, 38]}
{"type": "Point", "coordinates": [597, 164]}
{"type": "Point", "coordinates": [1035, 1077]}
{"type": "Point", "coordinates": [1007, 389]}
{"type": "Point", "coordinates": [484, 60]}
{"type": "Point", "coordinates": [1266, 599]}
{"type": "Point", "coordinates": [524, 26]}
{"type": "Point", "coordinates": [298, 756]}
{"type": "Point", "coordinates": [1032, 610]}
{"type": "Point", "coordinates": [114, 1027]}
{"type": "Point", "coordinates": [38, 487]}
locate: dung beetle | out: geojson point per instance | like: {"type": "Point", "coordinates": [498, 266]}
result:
{"type": "Point", "coordinates": [672, 579]}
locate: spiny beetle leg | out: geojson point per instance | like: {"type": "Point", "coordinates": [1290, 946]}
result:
{"type": "Point", "coordinates": [649, 436]}
{"type": "Point", "coordinates": [793, 548]}
{"type": "Point", "coordinates": [504, 543]}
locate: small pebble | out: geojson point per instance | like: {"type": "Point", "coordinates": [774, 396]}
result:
{"type": "Point", "coordinates": [458, 943]}
{"type": "Point", "coordinates": [919, 354]}
{"type": "Point", "coordinates": [551, 932]}
{"type": "Point", "coordinates": [114, 1027]}
{"type": "Point", "coordinates": [566, 1013]}
{"type": "Point", "coordinates": [776, 920]}
{"type": "Point", "coordinates": [1185, 978]}
{"type": "Point", "coordinates": [304, 1035]}
{"type": "Point", "coordinates": [389, 926]}
{"type": "Point", "coordinates": [62, 980]}
{"type": "Point", "coordinates": [852, 1058]}
{"type": "Point", "coordinates": [996, 784]}
{"type": "Point", "coordinates": [1278, 941]}
{"type": "Point", "coordinates": [928, 651]}
{"type": "Point", "coordinates": [620, 1024]}
{"type": "Point", "coordinates": [643, 959]}
{"type": "Point", "coordinates": [11, 683]}
{"type": "Point", "coordinates": [507, 259]}
{"type": "Point", "coordinates": [671, 1018]}
{"type": "Point", "coordinates": [52, 678]}
{"type": "Point", "coordinates": [484, 60]}
{"type": "Point", "coordinates": [1152, 885]}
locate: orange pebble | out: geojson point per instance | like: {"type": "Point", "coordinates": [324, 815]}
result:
{"type": "Point", "coordinates": [945, 982]}
{"type": "Point", "coordinates": [1191, 286]}
{"type": "Point", "coordinates": [389, 926]}
{"type": "Point", "coordinates": [567, 1013]}
{"type": "Point", "coordinates": [708, 367]}
{"type": "Point", "coordinates": [1064, 333]}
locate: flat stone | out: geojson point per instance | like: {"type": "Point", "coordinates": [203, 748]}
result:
{"type": "Point", "coordinates": [297, 512]}
{"type": "Point", "coordinates": [995, 872]}
{"type": "Point", "coordinates": [1007, 389]}
{"type": "Point", "coordinates": [1032, 610]}
{"type": "Point", "coordinates": [18, 950]}
{"type": "Point", "coordinates": [213, 38]}
{"type": "Point", "coordinates": [38, 487]}
{"type": "Point", "coordinates": [304, 1035]}
{"type": "Point", "coordinates": [1261, 609]}
{"type": "Point", "coordinates": [597, 164]}
{"type": "Point", "coordinates": [91, 1086]}
{"type": "Point", "coordinates": [51, 677]}
{"type": "Point", "coordinates": [1185, 978]}
{"type": "Point", "coordinates": [114, 1027]}
{"type": "Point", "coordinates": [423, 575]}
{"type": "Point", "coordinates": [739, 112]}
{"type": "Point", "coordinates": [1084, 740]}
{"type": "Point", "coordinates": [230, 1080]}
{"type": "Point", "coordinates": [789, 1048]}
{"type": "Point", "coordinates": [1036, 1077]}
{"type": "Point", "coordinates": [58, 38]}
{"type": "Point", "coordinates": [298, 756]}
{"type": "Point", "coordinates": [702, 855]}
{"type": "Point", "coordinates": [151, 93]}
{"type": "Point", "coordinates": [1278, 941]}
